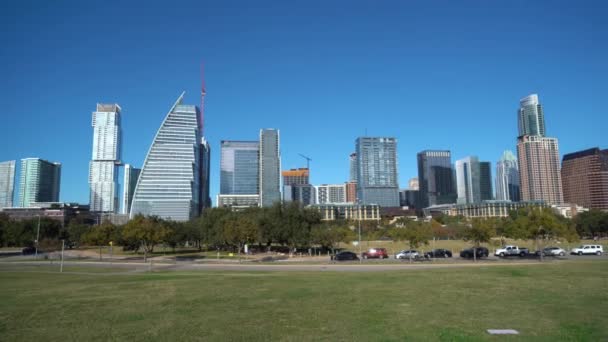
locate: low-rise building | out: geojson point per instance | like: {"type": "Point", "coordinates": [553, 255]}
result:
{"type": "Point", "coordinates": [62, 212]}
{"type": "Point", "coordinates": [345, 211]}
{"type": "Point", "coordinates": [481, 210]}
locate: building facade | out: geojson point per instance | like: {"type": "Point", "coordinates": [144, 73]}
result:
{"type": "Point", "coordinates": [296, 176]}
{"type": "Point", "coordinates": [239, 167]}
{"type": "Point", "coordinates": [131, 175]}
{"type": "Point", "coordinates": [270, 167]}
{"type": "Point", "coordinates": [409, 198]}
{"type": "Point", "coordinates": [350, 212]}
{"type": "Point", "coordinates": [330, 193]}
{"type": "Point", "coordinates": [40, 181]}
{"type": "Point", "coordinates": [539, 169]}
{"type": "Point", "coordinates": [507, 178]}
{"type": "Point", "coordinates": [303, 193]}
{"type": "Point", "coordinates": [377, 180]}
{"type": "Point", "coordinates": [413, 184]}
{"type": "Point", "coordinates": [435, 177]}
{"type": "Point", "coordinates": [531, 120]}
{"type": "Point", "coordinates": [205, 173]}
{"type": "Point", "coordinates": [353, 167]}
{"type": "Point", "coordinates": [585, 178]}
{"type": "Point", "coordinates": [351, 192]}
{"type": "Point", "coordinates": [105, 159]}
{"type": "Point", "coordinates": [484, 209]}
{"type": "Point", "coordinates": [468, 180]}
{"type": "Point", "coordinates": [238, 201]}
{"type": "Point", "coordinates": [7, 183]}
{"type": "Point", "coordinates": [485, 181]}
{"type": "Point", "coordinates": [168, 185]}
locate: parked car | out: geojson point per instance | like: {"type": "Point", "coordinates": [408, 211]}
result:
{"type": "Point", "coordinates": [511, 251]}
{"type": "Point", "coordinates": [345, 255]}
{"type": "Point", "coordinates": [407, 254]}
{"type": "Point", "coordinates": [379, 253]}
{"type": "Point", "coordinates": [28, 250]}
{"type": "Point", "coordinates": [588, 249]}
{"type": "Point", "coordinates": [480, 252]}
{"type": "Point", "coordinates": [552, 251]}
{"type": "Point", "coordinates": [438, 253]}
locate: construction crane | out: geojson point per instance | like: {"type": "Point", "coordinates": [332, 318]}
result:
{"type": "Point", "coordinates": [308, 160]}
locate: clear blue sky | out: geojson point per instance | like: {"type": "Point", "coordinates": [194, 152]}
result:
{"type": "Point", "coordinates": [434, 74]}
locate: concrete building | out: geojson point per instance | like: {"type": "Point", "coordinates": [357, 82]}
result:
{"type": "Point", "coordinates": [303, 193]}
{"type": "Point", "coordinates": [349, 212]}
{"type": "Point", "coordinates": [7, 183]}
{"type": "Point", "coordinates": [237, 202]}
{"type": "Point", "coordinates": [409, 198]}
{"type": "Point", "coordinates": [351, 192]}
{"type": "Point", "coordinates": [507, 178]}
{"type": "Point", "coordinates": [40, 181]}
{"type": "Point", "coordinates": [103, 168]}
{"type": "Point", "coordinates": [131, 175]}
{"type": "Point", "coordinates": [585, 178]}
{"type": "Point", "coordinates": [377, 180]}
{"type": "Point", "coordinates": [539, 169]}
{"type": "Point", "coordinates": [296, 176]}
{"type": "Point", "coordinates": [353, 167]}
{"type": "Point", "coordinates": [330, 193]}
{"type": "Point", "coordinates": [436, 178]}
{"type": "Point", "coordinates": [480, 210]}
{"type": "Point", "coordinates": [59, 211]}
{"type": "Point", "coordinates": [270, 167]}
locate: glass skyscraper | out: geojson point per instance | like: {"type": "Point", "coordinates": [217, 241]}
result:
{"type": "Point", "coordinates": [485, 181]}
{"type": "Point", "coordinates": [7, 183]}
{"type": "Point", "coordinates": [103, 168]}
{"type": "Point", "coordinates": [531, 120]}
{"type": "Point", "coordinates": [435, 178]}
{"type": "Point", "coordinates": [205, 199]}
{"type": "Point", "coordinates": [168, 185]}
{"type": "Point", "coordinates": [468, 180]}
{"type": "Point", "coordinates": [507, 178]}
{"type": "Point", "coordinates": [377, 181]}
{"type": "Point", "coordinates": [239, 167]}
{"type": "Point", "coordinates": [39, 182]}
{"type": "Point", "coordinates": [270, 167]}
{"type": "Point", "coordinates": [130, 181]}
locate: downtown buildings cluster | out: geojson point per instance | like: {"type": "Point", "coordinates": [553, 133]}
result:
{"type": "Point", "coordinates": [174, 180]}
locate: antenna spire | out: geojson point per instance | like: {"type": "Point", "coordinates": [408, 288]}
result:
{"type": "Point", "coordinates": [203, 93]}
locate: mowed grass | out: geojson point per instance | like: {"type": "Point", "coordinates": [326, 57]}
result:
{"type": "Point", "coordinates": [553, 301]}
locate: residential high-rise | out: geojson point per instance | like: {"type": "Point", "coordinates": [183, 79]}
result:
{"type": "Point", "coordinates": [40, 181]}
{"type": "Point", "coordinates": [468, 180]}
{"type": "Point", "coordinates": [351, 192]}
{"type": "Point", "coordinates": [585, 178]}
{"type": "Point", "coordinates": [531, 120]}
{"type": "Point", "coordinates": [168, 185]}
{"type": "Point", "coordinates": [103, 168]}
{"type": "Point", "coordinates": [435, 178]}
{"type": "Point", "coordinates": [239, 173]}
{"type": "Point", "coordinates": [485, 181]}
{"type": "Point", "coordinates": [205, 173]}
{"type": "Point", "coordinates": [270, 167]}
{"type": "Point", "coordinates": [296, 176]}
{"type": "Point", "coordinates": [507, 178]}
{"type": "Point", "coordinates": [130, 181]}
{"type": "Point", "coordinates": [413, 184]}
{"type": "Point", "coordinates": [303, 193]}
{"type": "Point", "coordinates": [330, 193]}
{"type": "Point", "coordinates": [539, 169]}
{"type": "Point", "coordinates": [377, 181]}
{"type": "Point", "coordinates": [7, 183]}
{"type": "Point", "coordinates": [353, 167]}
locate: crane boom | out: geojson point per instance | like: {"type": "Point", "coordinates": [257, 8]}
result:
{"type": "Point", "coordinates": [308, 160]}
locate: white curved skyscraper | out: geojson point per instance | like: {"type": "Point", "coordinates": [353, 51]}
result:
{"type": "Point", "coordinates": [169, 183]}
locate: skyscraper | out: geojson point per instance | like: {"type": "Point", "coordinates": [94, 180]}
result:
{"type": "Point", "coordinates": [531, 120]}
{"type": "Point", "coordinates": [7, 183]}
{"type": "Point", "coordinates": [353, 167]}
{"type": "Point", "coordinates": [130, 181]}
{"type": "Point", "coordinates": [468, 180]}
{"type": "Point", "coordinates": [435, 178]}
{"type": "Point", "coordinates": [168, 185]}
{"type": "Point", "coordinates": [585, 178]}
{"type": "Point", "coordinates": [103, 168]}
{"type": "Point", "coordinates": [296, 176]}
{"type": "Point", "coordinates": [507, 178]}
{"type": "Point", "coordinates": [485, 181]}
{"type": "Point", "coordinates": [539, 169]}
{"type": "Point", "coordinates": [40, 181]}
{"type": "Point", "coordinates": [239, 167]}
{"type": "Point", "coordinates": [270, 167]}
{"type": "Point", "coordinates": [205, 173]}
{"type": "Point", "coordinates": [330, 193]}
{"type": "Point", "coordinates": [377, 181]}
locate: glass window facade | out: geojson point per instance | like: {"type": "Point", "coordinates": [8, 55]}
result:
{"type": "Point", "coordinates": [377, 171]}
{"type": "Point", "coordinates": [239, 168]}
{"type": "Point", "coordinates": [7, 183]}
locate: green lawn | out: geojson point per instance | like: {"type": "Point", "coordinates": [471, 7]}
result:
{"type": "Point", "coordinates": [553, 301]}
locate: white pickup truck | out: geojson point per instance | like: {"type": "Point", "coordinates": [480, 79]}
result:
{"type": "Point", "coordinates": [511, 251]}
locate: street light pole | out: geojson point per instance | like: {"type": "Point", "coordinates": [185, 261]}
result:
{"type": "Point", "coordinates": [62, 248]}
{"type": "Point", "coordinates": [359, 214]}
{"type": "Point", "coordinates": [37, 237]}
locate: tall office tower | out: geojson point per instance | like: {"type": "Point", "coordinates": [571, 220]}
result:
{"type": "Point", "coordinates": [539, 169]}
{"type": "Point", "coordinates": [435, 177]}
{"type": "Point", "coordinates": [270, 167]}
{"type": "Point", "coordinates": [168, 185]}
{"type": "Point", "coordinates": [330, 193]}
{"type": "Point", "coordinates": [103, 168]}
{"type": "Point", "coordinates": [468, 180]}
{"type": "Point", "coordinates": [485, 181]}
{"type": "Point", "coordinates": [239, 167]}
{"type": "Point", "coordinates": [353, 167]}
{"type": "Point", "coordinates": [296, 176]}
{"type": "Point", "coordinates": [585, 178]}
{"type": "Point", "coordinates": [130, 181]}
{"type": "Point", "coordinates": [413, 184]}
{"type": "Point", "coordinates": [351, 192]}
{"type": "Point", "coordinates": [507, 178]}
{"type": "Point", "coordinates": [377, 181]}
{"type": "Point", "coordinates": [531, 120]}
{"type": "Point", "coordinates": [205, 173]}
{"type": "Point", "coordinates": [40, 181]}
{"type": "Point", "coordinates": [7, 183]}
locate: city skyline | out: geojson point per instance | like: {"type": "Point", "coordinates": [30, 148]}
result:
{"type": "Point", "coordinates": [400, 94]}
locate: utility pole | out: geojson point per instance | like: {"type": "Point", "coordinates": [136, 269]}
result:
{"type": "Point", "coordinates": [62, 248]}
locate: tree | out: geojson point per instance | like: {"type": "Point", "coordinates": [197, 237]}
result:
{"type": "Point", "coordinates": [592, 223]}
{"type": "Point", "coordinates": [146, 232]}
{"type": "Point", "coordinates": [416, 233]}
{"type": "Point", "coordinates": [207, 228]}
{"type": "Point", "coordinates": [480, 231]}
{"type": "Point", "coordinates": [101, 235]}
{"type": "Point", "coordinates": [328, 235]}
{"type": "Point", "coordinates": [239, 229]}
{"type": "Point", "coordinates": [77, 231]}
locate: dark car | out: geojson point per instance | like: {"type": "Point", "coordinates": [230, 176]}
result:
{"type": "Point", "coordinates": [345, 255]}
{"type": "Point", "coordinates": [28, 250]}
{"type": "Point", "coordinates": [375, 253]}
{"type": "Point", "coordinates": [438, 253]}
{"type": "Point", "coordinates": [480, 252]}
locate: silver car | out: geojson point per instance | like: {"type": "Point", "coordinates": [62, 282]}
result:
{"type": "Point", "coordinates": [407, 254]}
{"type": "Point", "coordinates": [553, 251]}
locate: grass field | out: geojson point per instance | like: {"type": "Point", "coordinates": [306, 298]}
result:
{"type": "Point", "coordinates": [553, 301]}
